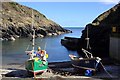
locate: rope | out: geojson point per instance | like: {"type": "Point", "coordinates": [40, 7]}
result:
{"type": "Point", "coordinates": [106, 70]}
{"type": "Point", "coordinates": [86, 53]}
{"type": "Point", "coordinates": [25, 62]}
{"type": "Point", "coordinates": [88, 44]}
{"type": "Point", "coordinates": [22, 65]}
{"type": "Point", "coordinates": [45, 45]}
{"type": "Point", "coordinates": [82, 67]}
{"type": "Point", "coordinates": [27, 47]}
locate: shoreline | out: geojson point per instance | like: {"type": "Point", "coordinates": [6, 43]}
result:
{"type": "Point", "coordinates": [62, 73]}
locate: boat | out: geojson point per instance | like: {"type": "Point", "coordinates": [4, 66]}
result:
{"type": "Point", "coordinates": [37, 61]}
{"type": "Point", "coordinates": [35, 65]}
{"type": "Point", "coordinates": [87, 63]}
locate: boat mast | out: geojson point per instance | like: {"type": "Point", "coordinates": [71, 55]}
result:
{"type": "Point", "coordinates": [33, 40]}
{"type": "Point", "coordinates": [88, 44]}
{"type": "Point", "coordinates": [33, 44]}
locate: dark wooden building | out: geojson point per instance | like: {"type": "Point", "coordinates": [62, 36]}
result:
{"type": "Point", "coordinates": [115, 43]}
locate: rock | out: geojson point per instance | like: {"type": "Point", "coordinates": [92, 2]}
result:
{"type": "Point", "coordinates": [11, 38]}
{"type": "Point", "coordinates": [1, 39]}
{"type": "Point", "coordinates": [16, 36]}
{"type": "Point", "coordinates": [17, 20]}
{"type": "Point", "coordinates": [49, 34]}
{"type": "Point", "coordinates": [39, 35]}
{"type": "Point", "coordinates": [55, 34]}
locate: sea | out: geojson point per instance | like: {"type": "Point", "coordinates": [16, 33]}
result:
{"type": "Point", "coordinates": [13, 52]}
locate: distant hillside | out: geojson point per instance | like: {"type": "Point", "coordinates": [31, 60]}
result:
{"type": "Point", "coordinates": [100, 31]}
{"type": "Point", "coordinates": [17, 21]}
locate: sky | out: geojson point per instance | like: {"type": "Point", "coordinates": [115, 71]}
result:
{"type": "Point", "coordinates": [70, 14]}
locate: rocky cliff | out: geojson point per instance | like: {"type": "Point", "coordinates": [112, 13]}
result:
{"type": "Point", "coordinates": [100, 31]}
{"type": "Point", "coordinates": [16, 21]}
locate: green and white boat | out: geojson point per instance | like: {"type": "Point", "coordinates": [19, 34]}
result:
{"type": "Point", "coordinates": [36, 64]}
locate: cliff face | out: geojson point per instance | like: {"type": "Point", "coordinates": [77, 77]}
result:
{"type": "Point", "coordinates": [100, 31]}
{"type": "Point", "coordinates": [17, 22]}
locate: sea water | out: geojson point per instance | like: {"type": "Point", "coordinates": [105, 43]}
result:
{"type": "Point", "coordinates": [13, 52]}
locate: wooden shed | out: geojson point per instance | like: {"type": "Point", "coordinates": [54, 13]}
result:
{"type": "Point", "coordinates": [115, 43]}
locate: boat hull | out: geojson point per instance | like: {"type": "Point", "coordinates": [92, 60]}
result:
{"type": "Point", "coordinates": [35, 67]}
{"type": "Point", "coordinates": [85, 63]}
